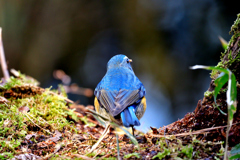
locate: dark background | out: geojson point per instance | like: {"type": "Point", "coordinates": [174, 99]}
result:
{"type": "Point", "coordinates": [162, 37]}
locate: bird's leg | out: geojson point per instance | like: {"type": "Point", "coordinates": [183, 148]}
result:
{"type": "Point", "coordinates": [133, 130]}
{"type": "Point", "coordinates": [101, 138]}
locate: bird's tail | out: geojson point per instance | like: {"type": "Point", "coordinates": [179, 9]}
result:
{"type": "Point", "coordinates": [129, 117]}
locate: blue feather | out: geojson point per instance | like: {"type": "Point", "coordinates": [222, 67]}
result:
{"type": "Point", "coordinates": [129, 117]}
{"type": "Point", "coordinates": [120, 92]}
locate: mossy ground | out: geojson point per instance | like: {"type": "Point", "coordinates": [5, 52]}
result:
{"type": "Point", "coordinates": [40, 122]}
{"type": "Point", "coordinates": [31, 110]}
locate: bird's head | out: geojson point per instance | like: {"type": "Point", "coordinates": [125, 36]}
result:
{"type": "Point", "coordinates": [119, 61]}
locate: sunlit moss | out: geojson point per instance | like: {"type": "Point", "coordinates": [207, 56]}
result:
{"type": "Point", "coordinates": [132, 155]}
{"type": "Point", "coordinates": [12, 130]}
{"type": "Point", "coordinates": [231, 60]}
{"type": "Point", "coordinates": [188, 151]}
{"type": "Point", "coordinates": [46, 110]}
{"type": "Point", "coordinates": [11, 82]}
{"type": "Point", "coordinates": [235, 26]}
{"type": "Point", "coordinates": [163, 154]}
{"type": "Point", "coordinates": [6, 155]}
{"type": "Point", "coordinates": [208, 94]}
{"type": "Point", "coordinates": [85, 120]}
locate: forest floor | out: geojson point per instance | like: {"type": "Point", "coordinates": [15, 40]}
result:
{"type": "Point", "coordinates": [42, 123]}
{"type": "Point", "coordinates": [38, 123]}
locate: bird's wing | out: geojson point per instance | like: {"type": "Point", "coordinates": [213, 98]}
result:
{"type": "Point", "coordinates": [116, 101]}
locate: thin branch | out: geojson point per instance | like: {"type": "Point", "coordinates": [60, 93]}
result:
{"type": "Point", "coordinates": [118, 148]}
{"type": "Point", "coordinates": [2, 58]}
{"type": "Point", "coordinates": [37, 124]}
{"type": "Point", "coordinates": [202, 131]}
{"type": "Point", "coordinates": [100, 139]}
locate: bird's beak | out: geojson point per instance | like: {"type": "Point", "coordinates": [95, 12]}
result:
{"type": "Point", "coordinates": [130, 60]}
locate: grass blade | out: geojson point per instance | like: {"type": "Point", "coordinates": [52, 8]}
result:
{"type": "Point", "coordinates": [97, 114]}
{"type": "Point", "coordinates": [131, 137]}
{"type": "Point", "coordinates": [118, 149]}
{"type": "Point", "coordinates": [219, 83]}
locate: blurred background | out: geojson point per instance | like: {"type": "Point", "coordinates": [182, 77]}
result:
{"type": "Point", "coordinates": [162, 37]}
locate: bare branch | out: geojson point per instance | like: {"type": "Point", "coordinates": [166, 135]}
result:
{"type": "Point", "coordinates": [2, 58]}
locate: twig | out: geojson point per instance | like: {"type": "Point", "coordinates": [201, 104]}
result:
{"type": "Point", "coordinates": [165, 135]}
{"type": "Point", "coordinates": [2, 58]}
{"type": "Point", "coordinates": [194, 132]}
{"type": "Point", "coordinates": [44, 121]}
{"type": "Point", "coordinates": [3, 100]}
{"type": "Point", "coordinates": [37, 124]}
{"type": "Point", "coordinates": [226, 142]}
{"type": "Point", "coordinates": [118, 148]}
{"type": "Point", "coordinates": [94, 157]}
{"type": "Point", "coordinates": [105, 156]}
{"type": "Point", "coordinates": [100, 139]}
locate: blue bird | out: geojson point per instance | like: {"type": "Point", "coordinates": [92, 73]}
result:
{"type": "Point", "coordinates": [120, 95]}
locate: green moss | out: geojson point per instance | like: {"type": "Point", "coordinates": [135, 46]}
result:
{"type": "Point", "coordinates": [47, 111]}
{"type": "Point", "coordinates": [62, 90]}
{"type": "Point", "coordinates": [85, 121]}
{"type": "Point", "coordinates": [131, 155]}
{"type": "Point", "coordinates": [208, 94]}
{"type": "Point", "coordinates": [174, 148]}
{"type": "Point", "coordinates": [236, 25]}
{"type": "Point", "coordinates": [110, 158]}
{"type": "Point", "coordinates": [163, 154]}
{"type": "Point", "coordinates": [214, 74]}
{"type": "Point", "coordinates": [235, 31]}
{"type": "Point", "coordinates": [20, 80]}
{"type": "Point", "coordinates": [11, 82]}
{"type": "Point", "coordinates": [230, 56]}
{"type": "Point", "coordinates": [91, 154]}
{"type": "Point", "coordinates": [188, 151]}
{"type": "Point", "coordinates": [15, 124]}
{"type": "Point", "coordinates": [6, 155]}
{"type": "Point", "coordinates": [12, 123]}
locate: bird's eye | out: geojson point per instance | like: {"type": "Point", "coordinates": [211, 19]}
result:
{"type": "Point", "coordinates": [129, 60]}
